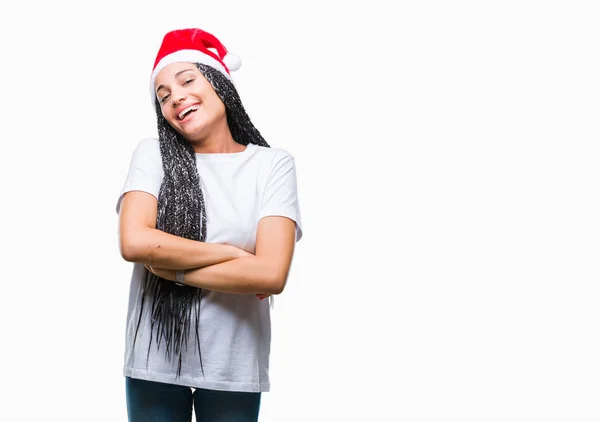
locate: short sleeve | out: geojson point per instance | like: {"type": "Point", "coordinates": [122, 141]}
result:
{"type": "Point", "coordinates": [145, 170]}
{"type": "Point", "coordinates": [281, 192]}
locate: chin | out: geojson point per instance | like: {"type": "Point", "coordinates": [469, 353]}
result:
{"type": "Point", "coordinates": [193, 135]}
{"type": "Point", "coordinates": [188, 131]}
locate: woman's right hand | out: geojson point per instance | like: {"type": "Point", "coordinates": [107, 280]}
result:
{"type": "Point", "coordinates": [237, 252]}
{"type": "Point", "coordinates": [243, 254]}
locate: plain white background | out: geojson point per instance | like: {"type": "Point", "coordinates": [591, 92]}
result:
{"type": "Point", "coordinates": [447, 156]}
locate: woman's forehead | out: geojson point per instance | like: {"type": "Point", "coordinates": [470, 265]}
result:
{"type": "Point", "coordinates": [174, 70]}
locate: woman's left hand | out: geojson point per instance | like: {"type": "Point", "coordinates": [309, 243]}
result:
{"type": "Point", "coordinates": [162, 272]}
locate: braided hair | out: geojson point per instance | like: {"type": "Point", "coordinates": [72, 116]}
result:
{"type": "Point", "coordinates": [175, 308]}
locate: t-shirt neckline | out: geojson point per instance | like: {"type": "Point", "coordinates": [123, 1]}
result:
{"type": "Point", "coordinates": [225, 156]}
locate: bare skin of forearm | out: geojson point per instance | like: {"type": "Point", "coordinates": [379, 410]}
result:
{"type": "Point", "coordinates": [156, 248]}
{"type": "Point", "coordinates": [250, 274]}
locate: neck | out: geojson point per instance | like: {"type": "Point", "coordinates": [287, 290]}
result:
{"type": "Point", "coordinates": [219, 141]}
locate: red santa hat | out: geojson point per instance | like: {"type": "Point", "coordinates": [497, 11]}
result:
{"type": "Point", "coordinates": [193, 46]}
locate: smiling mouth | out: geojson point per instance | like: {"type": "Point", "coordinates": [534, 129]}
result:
{"type": "Point", "coordinates": [184, 113]}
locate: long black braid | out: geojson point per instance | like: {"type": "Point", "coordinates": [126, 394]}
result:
{"type": "Point", "coordinates": [175, 308]}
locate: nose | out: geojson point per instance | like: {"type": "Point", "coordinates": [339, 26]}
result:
{"type": "Point", "coordinates": [178, 97]}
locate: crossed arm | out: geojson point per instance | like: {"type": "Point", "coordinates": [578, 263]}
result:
{"type": "Point", "coordinates": [210, 266]}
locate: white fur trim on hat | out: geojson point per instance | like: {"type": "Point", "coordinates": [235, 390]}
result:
{"type": "Point", "coordinates": [188, 56]}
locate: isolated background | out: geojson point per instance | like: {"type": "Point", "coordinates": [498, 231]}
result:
{"type": "Point", "coordinates": [447, 156]}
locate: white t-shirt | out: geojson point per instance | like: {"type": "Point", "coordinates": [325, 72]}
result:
{"type": "Point", "coordinates": [235, 329]}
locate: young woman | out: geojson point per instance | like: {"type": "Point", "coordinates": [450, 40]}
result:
{"type": "Point", "coordinates": [209, 216]}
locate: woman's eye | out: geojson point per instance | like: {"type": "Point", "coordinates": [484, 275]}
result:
{"type": "Point", "coordinates": [163, 99]}
{"type": "Point", "coordinates": [188, 81]}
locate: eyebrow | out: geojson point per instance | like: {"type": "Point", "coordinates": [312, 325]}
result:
{"type": "Point", "coordinates": [176, 75]}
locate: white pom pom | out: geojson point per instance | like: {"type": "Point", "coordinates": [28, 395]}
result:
{"type": "Point", "coordinates": [232, 62]}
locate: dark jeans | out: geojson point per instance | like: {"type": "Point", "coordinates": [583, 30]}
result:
{"type": "Point", "coordinates": [149, 401]}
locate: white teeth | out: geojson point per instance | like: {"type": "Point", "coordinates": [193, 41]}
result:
{"type": "Point", "coordinates": [187, 110]}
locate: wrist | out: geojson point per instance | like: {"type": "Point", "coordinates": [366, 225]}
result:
{"type": "Point", "coordinates": [179, 277]}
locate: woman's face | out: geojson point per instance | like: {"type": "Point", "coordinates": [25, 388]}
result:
{"type": "Point", "coordinates": [188, 101]}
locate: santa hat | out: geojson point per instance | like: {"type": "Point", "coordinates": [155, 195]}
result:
{"type": "Point", "coordinates": [193, 46]}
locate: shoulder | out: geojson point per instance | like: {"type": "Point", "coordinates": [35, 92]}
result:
{"type": "Point", "coordinates": [148, 145]}
{"type": "Point", "coordinates": [147, 149]}
{"type": "Point", "coordinates": [273, 155]}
